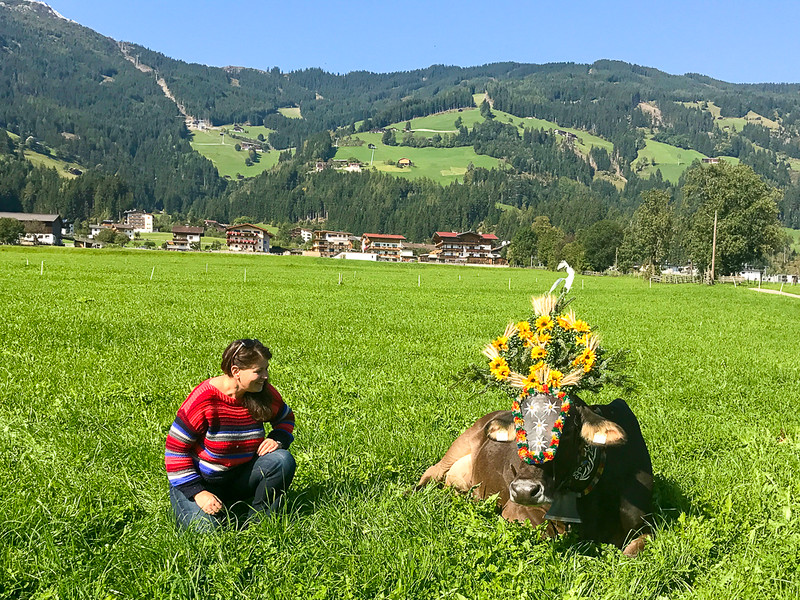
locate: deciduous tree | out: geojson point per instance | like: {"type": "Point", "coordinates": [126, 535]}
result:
{"type": "Point", "coordinates": [747, 216]}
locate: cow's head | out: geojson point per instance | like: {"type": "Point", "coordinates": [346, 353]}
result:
{"type": "Point", "coordinates": [532, 484]}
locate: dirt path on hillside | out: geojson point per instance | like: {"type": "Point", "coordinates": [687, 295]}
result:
{"type": "Point", "coordinates": [134, 60]}
{"type": "Point", "coordinates": [766, 291]}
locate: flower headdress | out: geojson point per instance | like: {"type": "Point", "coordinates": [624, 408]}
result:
{"type": "Point", "coordinates": [539, 362]}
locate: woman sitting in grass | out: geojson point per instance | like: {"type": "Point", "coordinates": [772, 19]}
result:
{"type": "Point", "coordinates": [217, 456]}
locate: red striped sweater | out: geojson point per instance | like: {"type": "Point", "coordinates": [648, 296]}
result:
{"type": "Point", "coordinates": [213, 433]}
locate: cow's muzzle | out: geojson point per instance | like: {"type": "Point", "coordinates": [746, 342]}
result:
{"type": "Point", "coordinates": [528, 492]}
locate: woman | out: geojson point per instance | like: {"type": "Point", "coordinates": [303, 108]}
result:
{"type": "Point", "coordinates": [217, 455]}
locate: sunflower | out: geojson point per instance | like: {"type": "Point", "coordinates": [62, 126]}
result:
{"type": "Point", "coordinates": [554, 378]}
{"type": "Point", "coordinates": [501, 343]}
{"type": "Point", "coordinates": [537, 352]}
{"type": "Point", "coordinates": [544, 322]}
{"type": "Point", "coordinates": [567, 321]}
{"type": "Point", "coordinates": [542, 338]}
{"type": "Point", "coordinates": [581, 326]}
{"type": "Point", "coordinates": [499, 368]}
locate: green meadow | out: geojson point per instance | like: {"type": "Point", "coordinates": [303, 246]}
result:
{"type": "Point", "coordinates": [48, 161]}
{"type": "Point", "coordinates": [671, 160]}
{"type": "Point", "coordinates": [220, 149]}
{"type": "Point", "coordinates": [440, 164]}
{"type": "Point", "coordinates": [101, 347]}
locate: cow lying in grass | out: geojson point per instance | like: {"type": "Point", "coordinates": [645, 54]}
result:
{"type": "Point", "coordinates": [600, 479]}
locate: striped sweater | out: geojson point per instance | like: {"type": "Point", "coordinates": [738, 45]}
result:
{"type": "Point", "coordinates": [212, 434]}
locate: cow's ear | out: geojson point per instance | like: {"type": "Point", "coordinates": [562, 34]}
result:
{"type": "Point", "coordinates": [598, 431]}
{"type": "Point", "coordinates": [501, 429]}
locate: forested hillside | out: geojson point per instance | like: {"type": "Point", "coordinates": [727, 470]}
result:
{"type": "Point", "coordinates": [73, 94]}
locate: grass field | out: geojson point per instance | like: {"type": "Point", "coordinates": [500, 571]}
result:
{"type": "Point", "coordinates": [291, 112]}
{"type": "Point", "coordinates": [442, 165]}
{"type": "Point", "coordinates": [226, 159]}
{"type": "Point", "coordinates": [672, 161]}
{"type": "Point", "coordinates": [101, 347]}
{"type": "Point", "coordinates": [48, 162]}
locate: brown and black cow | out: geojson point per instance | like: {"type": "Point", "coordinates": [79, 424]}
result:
{"type": "Point", "coordinates": [600, 479]}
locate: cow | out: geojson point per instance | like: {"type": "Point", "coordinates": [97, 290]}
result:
{"type": "Point", "coordinates": [600, 479]}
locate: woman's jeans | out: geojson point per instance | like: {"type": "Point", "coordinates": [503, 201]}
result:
{"type": "Point", "coordinates": [251, 490]}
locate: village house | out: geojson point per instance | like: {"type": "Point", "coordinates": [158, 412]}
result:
{"type": "Point", "coordinates": [215, 225]}
{"type": "Point", "coordinates": [128, 230]}
{"type": "Point", "coordinates": [386, 246]}
{"type": "Point", "coordinates": [404, 162]}
{"type": "Point", "coordinates": [39, 228]}
{"type": "Point", "coordinates": [330, 243]}
{"type": "Point", "coordinates": [183, 236]}
{"type": "Point", "coordinates": [141, 221]}
{"type": "Point", "coordinates": [302, 233]}
{"type": "Point", "coordinates": [247, 238]}
{"type": "Point", "coordinates": [710, 161]}
{"type": "Point", "coordinates": [468, 247]}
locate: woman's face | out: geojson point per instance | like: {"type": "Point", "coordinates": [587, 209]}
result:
{"type": "Point", "coordinates": [253, 378]}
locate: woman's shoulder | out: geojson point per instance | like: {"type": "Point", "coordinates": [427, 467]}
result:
{"type": "Point", "coordinates": [203, 392]}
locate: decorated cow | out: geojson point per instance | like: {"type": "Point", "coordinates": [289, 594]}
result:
{"type": "Point", "coordinates": [552, 457]}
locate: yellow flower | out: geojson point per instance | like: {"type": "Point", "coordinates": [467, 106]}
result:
{"type": "Point", "coordinates": [554, 378]}
{"type": "Point", "coordinates": [564, 323]}
{"type": "Point", "coordinates": [581, 326]}
{"type": "Point", "coordinates": [499, 368]}
{"type": "Point", "coordinates": [586, 358]}
{"type": "Point", "coordinates": [584, 339]}
{"type": "Point", "coordinates": [501, 343]}
{"type": "Point", "coordinates": [538, 352]}
{"type": "Point", "coordinates": [544, 322]}
{"type": "Point", "coordinates": [537, 366]}
{"type": "Point", "coordinates": [524, 328]}
{"type": "Point", "coordinates": [542, 338]}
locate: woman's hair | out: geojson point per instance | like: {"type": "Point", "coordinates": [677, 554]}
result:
{"type": "Point", "coordinates": [246, 354]}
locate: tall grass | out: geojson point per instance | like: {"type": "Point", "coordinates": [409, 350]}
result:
{"type": "Point", "coordinates": [97, 357]}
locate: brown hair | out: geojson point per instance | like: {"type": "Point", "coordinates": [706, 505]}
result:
{"type": "Point", "coordinates": [246, 354]}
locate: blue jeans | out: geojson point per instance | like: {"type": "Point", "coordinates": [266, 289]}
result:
{"type": "Point", "coordinates": [255, 489]}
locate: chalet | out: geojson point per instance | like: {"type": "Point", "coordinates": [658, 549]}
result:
{"type": "Point", "coordinates": [567, 134]}
{"type": "Point", "coordinates": [247, 238]}
{"type": "Point", "coordinates": [238, 128]}
{"type": "Point", "coordinates": [39, 228]}
{"type": "Point", "coordinates": [330, 243]}
{"type": "Point", "coordinates": [301, 232]}
{"type": "Point", "coordinates": [710, 161]}
{"type": "Point", "coordinates": [465, 248]}
{"type": "Point", "coordinates": [404, 162]}
{"type": "Point", "coordinates": [215, 225]}
{"type": "Point", "coordinates": [353, 167]}
{"type": "Point", "coordinates": [385, 245]}
{"type": "Point", "coordinates": [140, 220]}
{"type": "Point", "coordinates": [184, 236]}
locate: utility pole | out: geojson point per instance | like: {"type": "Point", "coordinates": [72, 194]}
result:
{"type": "Point", "coordinates": [714, 248]}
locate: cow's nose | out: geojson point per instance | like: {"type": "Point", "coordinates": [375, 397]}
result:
{"type": "Point", "coordinates": [527, 491]}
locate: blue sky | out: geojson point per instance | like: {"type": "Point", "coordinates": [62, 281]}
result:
{"type": "Point", "coordinates": [741, 42]}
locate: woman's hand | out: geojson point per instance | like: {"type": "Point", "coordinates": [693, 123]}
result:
{"type": "Point", "coordinates": [210, 504]}
{"type": "Point", "coordinates": [267, 446]}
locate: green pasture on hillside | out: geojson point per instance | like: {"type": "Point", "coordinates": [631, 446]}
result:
{"type": "Point", "coordinates": [444, 165]}
{"type": "Point", "coordinates": [291, 112]}
{"type": "Point", "coordinates": [671, 160]}
{"type": "Point", "coordinates": [220, 149]}
{"type": "Point", "coordinates": [249, 131]}
{"type": "Point", "coordinates": [101, 347]}
{"type": "Point", "coordinates": [48, 162]}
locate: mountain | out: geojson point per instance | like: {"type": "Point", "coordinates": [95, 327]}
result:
{"type": "Point", "coordinates": [120, 111]}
